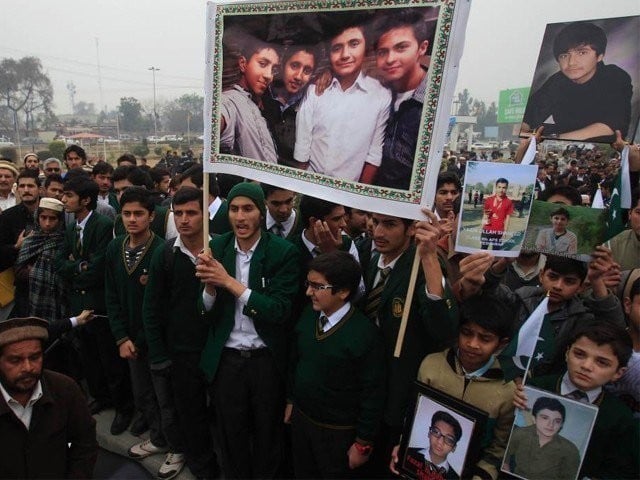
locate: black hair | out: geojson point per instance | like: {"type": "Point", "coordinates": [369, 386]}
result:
{"type": "Point", "coordinates": [54, 177]}
{"type": "Point", "coordinates": [635, 198]}
{"type": "Point", "coordinates": [187, 194]}
{"type": "Point", "coordinates": [489, 313]}
{"type": "Point", "coordinates": [502, 180]}
{"type": "Point", "coordinates": [196, 175]}
{"type": "Point", "coordinates": [449, 177]}
{"type": "Point", "coordinates": [405, 17]}
{"type": "Point", "coordinates": [127, 157]}
{"type": "Point", "coordinates": [635, 288]}
{"type": "Point", "coordinates": [269, 189]}
{"type": "Point", "coordinates": [135, 175]}
{"type": "Point", "coordinates": [566, 191]}
{"type": "Point", "coordinates": [28, 173]}
{"type": "Point", "coordinates": [340, 269]}
{"type": "Point", "coordinates": [78, 150]}
{"type": "Point", "coordinates": [78, 172]}
{"type": "Point", "coordinates": [561, 211]}
{"type": "Point", "coordinates": [548, 403]}
{"type": "Point", "coordinates": [121, 173]}
{"type": "Point", "coordinates": [84, 187]}
{"type": "Point", "coordinates": [158, 173]}
{"type": "Point", "coordinates": [566, 266]}
{"type": "Point", "coordinates": [140, 195]}
{"type": "Point", "coordinates": [102, 168]}
{"type": "Point", "coordinates": [446, 417]}
{"type": "Point", "coordinates": [577, 34]}
{"type": "Point", "coordinates": [314, 207]}
{"type": "Point", "coordinates": [607, 333]}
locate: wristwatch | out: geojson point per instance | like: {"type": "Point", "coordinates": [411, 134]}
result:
{"type": "Point", "coordinates": [363, 449]}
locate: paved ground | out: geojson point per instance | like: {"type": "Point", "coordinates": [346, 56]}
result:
{"type": "Point", "coordinates": [110, 466]}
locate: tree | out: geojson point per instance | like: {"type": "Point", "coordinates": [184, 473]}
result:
{"type": "Point", "coordinates": [176, 112]}
{"type": "Point", "coordinates": [26, 88]}
{"type": "Point", "coordinates": [84, 108]}
{"type": "Point", "coordinates": [465, 101]}
{"type": "Point", "coordinates": [131, 114]}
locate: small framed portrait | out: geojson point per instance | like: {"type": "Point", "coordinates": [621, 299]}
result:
{"type": "Point", "coordinates": [495, 205]}
{"type": "Point", "coordinates": [345, 101]}
{"type": "Point", "coordinates": [441, 437]}
{"type": "Point", "coordinates": [585, 86]}
{"type": "Point", "coordinates": [565, 230]}
{"type": "Point", "coordinates": [550, 438]}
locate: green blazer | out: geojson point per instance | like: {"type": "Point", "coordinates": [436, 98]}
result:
{"type": "Point", "coordinates": [158, 225]}
{"type": "Point", "coordinates": [219, 224]}
{"type": "Point", "coordinates": [86, 287]}
{"type": "Point", "coordinates": [274, 281]}
{"type": "Point", "coordinates": [432, 326]}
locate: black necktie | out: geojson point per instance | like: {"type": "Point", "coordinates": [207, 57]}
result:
{"type": "Point", "coordinates": [278, 229]}
{"type": "Point", "coordinates": [373, 299]}
{"type": "Point", "coordinates": [323, 320]}
{"type": "Point", "coordinates": [579, 396]}
{"type": "Point", "coordinates": [79, 239]}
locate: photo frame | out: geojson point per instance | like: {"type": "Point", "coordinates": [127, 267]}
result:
{"type": "Point", "coordinates": [560, 89]}
{"type": "Point", "coordinates": [318, 22]}
{"type": "Point", "coordinates": [563, 454]}
{"type": "Point", "coordinates": [565, 230]}
{"type": "Point", "coordinates": [494, 217]}
{"type": "Point", "coordinates": [447, 416]}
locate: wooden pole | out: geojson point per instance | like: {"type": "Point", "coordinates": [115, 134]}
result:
{"type": "Point", "coordinates": [407, 304]}
{"type": "Point", "coordinates": [205, 212]}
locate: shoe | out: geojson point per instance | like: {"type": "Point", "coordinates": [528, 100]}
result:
{"type": "Point", "coordinates": [120, 422]}
{"type": "Point", "coordinates": [139, 425]}
{"type": "Point", "coordinates": [144, 449]}
{"type": "Point", "coordinates": [171, 466]}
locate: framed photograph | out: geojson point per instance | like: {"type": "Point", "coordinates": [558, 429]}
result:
{"type": "Point", "coordinates": [565, 230]}
{"type": "Point", "coordinates": [310, 96]}
{"type": "Point", "coordinates": [442, 437]}
{"type": "Point", "coordinates": [585, 86]}
{"type": "Point", "coordinates": [495, 205]}
{"type": "Point", "coordinates": [550, 438]}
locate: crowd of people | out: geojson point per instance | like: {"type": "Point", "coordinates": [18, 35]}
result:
{"type": "Point", "coordinates": [275, 342]}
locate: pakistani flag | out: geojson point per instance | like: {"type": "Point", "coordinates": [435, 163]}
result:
{"type": "Point", "coordinates": [620, 197]}
{"type": "Point", "coordinates": [516, 357]}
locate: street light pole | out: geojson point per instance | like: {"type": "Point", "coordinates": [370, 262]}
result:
{"type": "Point", "coordinates": [155, 114]}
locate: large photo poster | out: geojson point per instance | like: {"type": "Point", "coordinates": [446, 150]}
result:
{"type": "Point", "coordinates": [347, 101]}
{"type": "Point", "coordinates": [585, 86]}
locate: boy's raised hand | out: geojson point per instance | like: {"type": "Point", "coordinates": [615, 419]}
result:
{"type": "Point", "coordinates": [599, 266]}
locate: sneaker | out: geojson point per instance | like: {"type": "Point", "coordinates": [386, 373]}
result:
{"type": "Point", "coordinates": [171, 466]}
{"type": "Point", "coordinates": [144, 449]}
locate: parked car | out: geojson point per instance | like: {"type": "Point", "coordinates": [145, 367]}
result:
{"type": "Point", "coordinates": [31, 140]}
{"type": "Point", "coordinates": [153, 138]}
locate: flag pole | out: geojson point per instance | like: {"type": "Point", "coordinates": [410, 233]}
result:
{"type": "Point", "coordinates": [407, 305]}
{"type": "Point", "coordinates": [205, 212]}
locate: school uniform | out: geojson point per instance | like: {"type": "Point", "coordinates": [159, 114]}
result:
{"type": "Point", "coordinates": [246, 352]}
{"type": "Point", "coordinates": [337, 391]}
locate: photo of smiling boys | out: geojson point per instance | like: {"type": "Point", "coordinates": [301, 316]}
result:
{"type": "Point", "coordinates": [538, 451]}
{"type": "Point", "coordinates": [401, 41]}
{"type": "Point", "coordinates": [430, 463]}
{"type": "Point", "coordinates": [594, 356]}
{"type": "Point", "coordinates": [282, 100]}
{"type": "Point", "coordinates": [340, 133]}
{"type": "Point", "coordinates": [557, 239]}
{"type": "Point", "coordinates": [497, 213]}
{"type": "Point", "coordinates": [587, 99]}
{"type": "Point", "coordinates": [243, 129]}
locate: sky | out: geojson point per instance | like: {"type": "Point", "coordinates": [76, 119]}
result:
{"type": "Point", "coordinates": [129, 36]}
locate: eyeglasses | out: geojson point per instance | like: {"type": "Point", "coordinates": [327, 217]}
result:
{"type": "Point", "coordinates": [448, 439]}
{"type": "Point", "coordinates": [316, 286]}
{"type": "Point", "coordinates": [51, 169]}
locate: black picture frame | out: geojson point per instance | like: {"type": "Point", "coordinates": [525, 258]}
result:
{"type": "Point", "coordinates": [425, 401]}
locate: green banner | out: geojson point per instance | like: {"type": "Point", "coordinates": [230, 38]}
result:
{"type": "Point", "coordinates": [511, 105]}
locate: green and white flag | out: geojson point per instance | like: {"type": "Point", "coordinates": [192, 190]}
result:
{"type": "Point", "coordinates": [516, 357]}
